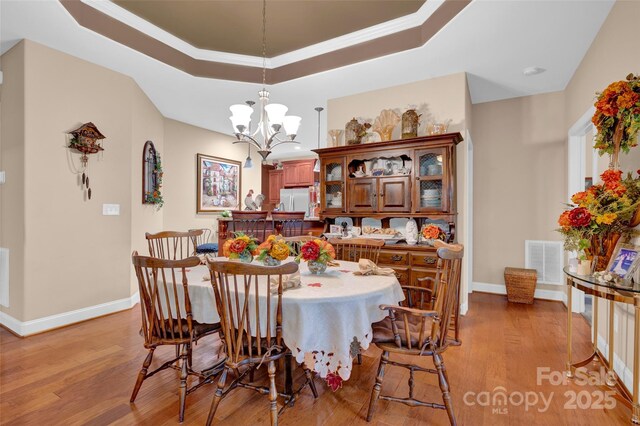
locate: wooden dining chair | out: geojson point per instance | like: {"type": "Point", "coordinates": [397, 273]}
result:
{"type": "Point", "coordinates": [167, 319]}
{"type": "Point", "coordinates": [288, 224]}
{"type": "Point", "coordinates": [297, 242]}
{"type": "Point", "coordinates": [204, 245]}
{"type": "Point", "coordinates": [251, 328]}
{"type": "Point", "coordinates": [409, 330]}
{"type": "Point", "coordinates": [173, 245]}
{"type": "Point", "coordinates": [354, 249]}
{"type": "Point", "coordinates": [253, 223]}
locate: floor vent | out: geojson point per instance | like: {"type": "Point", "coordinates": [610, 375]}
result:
{"type": "Point", "coordinates": [546, 257]}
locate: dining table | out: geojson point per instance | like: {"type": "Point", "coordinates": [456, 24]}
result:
{"type": "Point", "coordinates": [326, 321]}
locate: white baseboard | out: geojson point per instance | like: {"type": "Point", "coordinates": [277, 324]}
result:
{"type": "Point", "coordinates": [464, 308]}
{"type": "Point", "coordinates": [54, 321]}
{"type": "Point", "coordinates": [501, 289]}
{"type": "Point", "coordinates": [623, 371]}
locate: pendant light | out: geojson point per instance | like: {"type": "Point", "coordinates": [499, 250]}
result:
{"type": "Point", "coordinates": [248, 163]}
{"type": "Point", "coordinates": [316, 167]}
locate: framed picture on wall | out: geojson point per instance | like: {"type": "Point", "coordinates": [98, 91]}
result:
{"type": "Point", "coordinates": [625, 260]}
{"type": "Point", "coordinates": [218, 184]}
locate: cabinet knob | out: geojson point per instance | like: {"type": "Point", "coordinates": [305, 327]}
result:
{"type": "Point", "coordinates": [430, 260]}
{"type": "Point", "coordinates": [396, 257]}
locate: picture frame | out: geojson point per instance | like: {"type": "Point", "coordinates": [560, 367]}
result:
{"type": "Point", "coordinates": [625, 260]}
{"type": "Point", "coordinates": [335, 229]}
{"type": "Point", "coordinates": [218, 184]}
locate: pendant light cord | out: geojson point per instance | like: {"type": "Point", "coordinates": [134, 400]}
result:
{"type": "Point", "coordinates": [264, 43]}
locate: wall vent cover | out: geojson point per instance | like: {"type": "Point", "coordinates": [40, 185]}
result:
{"type": "Point", "coordinates": [546, 257]}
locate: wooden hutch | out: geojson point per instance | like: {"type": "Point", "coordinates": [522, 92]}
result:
{"type": "Point", "coordinates": [408, 178]}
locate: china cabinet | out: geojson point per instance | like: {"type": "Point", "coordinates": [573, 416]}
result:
{"type": "Point", "coordinates": [410, 178]}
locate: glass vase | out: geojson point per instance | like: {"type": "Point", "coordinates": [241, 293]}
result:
{"type": "Point", "coordinates": [246, 257]}
{"type": "Point", "coordinates": [316, 267]}
{"type": "Point", "coordinates": [270, 261]}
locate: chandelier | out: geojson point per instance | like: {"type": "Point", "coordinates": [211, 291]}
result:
{"type": "Point", "coordinates": [274, 127]}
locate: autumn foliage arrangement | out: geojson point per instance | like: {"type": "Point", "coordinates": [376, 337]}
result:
{"type": "Point", "coordinates": [316, 251]}
{"type": "Point", "coordinates": [240, 245]}
{"type": "Point", "coordinates": [609, 208]}
{"type": "Point", "coordinates": [618, 111]}
{"type": "Point", "coordinates": [275, 247]}
{"type": "Point", "coordinates": [433, 232]}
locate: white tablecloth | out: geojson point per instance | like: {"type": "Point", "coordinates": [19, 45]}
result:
{"type": "Point", "coordinates": [324, 319]}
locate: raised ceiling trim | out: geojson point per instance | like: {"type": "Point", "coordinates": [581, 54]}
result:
{"type": "Point", "coordinates": [114, 29]}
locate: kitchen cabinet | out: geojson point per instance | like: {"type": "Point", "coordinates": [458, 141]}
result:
{"type": "Point", "coordinates": [275, 185]}
{"type": "Point", "coordinates": [298, 173]}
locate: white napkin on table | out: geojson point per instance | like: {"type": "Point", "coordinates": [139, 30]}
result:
{"type": "Point", "coordinates": [368, 267]}
{"type": "Point", "coordinates": [288, 281]}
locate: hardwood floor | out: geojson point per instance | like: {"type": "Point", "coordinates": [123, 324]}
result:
{"type": "Point", "coordinates": [84, 374]}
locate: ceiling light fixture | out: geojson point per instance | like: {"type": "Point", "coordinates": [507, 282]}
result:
{"type": "Point", "coordinates": [316, 166]}
{"type": "Point", "coordinates": [529, 71]}
{"type": "Point", "coordinates": [272, 116]}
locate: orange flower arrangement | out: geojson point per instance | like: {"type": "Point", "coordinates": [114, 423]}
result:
{"type": "Point", "coordinates": [433, 232]}
{"type": "Point", "coordinates": [618, 104]}
{"type": "Point", "coordinates": [274, 246]}
{"type": "Point", "coordinates": [241, 244]}
{"type": "Point", "coordinates": [600, 210]}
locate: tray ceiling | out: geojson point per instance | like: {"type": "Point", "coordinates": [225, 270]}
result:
{"type": "Point", "coordinates": [236, 26]}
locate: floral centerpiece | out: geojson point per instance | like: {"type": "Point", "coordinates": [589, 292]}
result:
{"type": "Point", "coordinates": [617, 118]}
{"type": "Point", "coordinates": [600, 216]}
{"type": "Point", "coordinates": [273, 251]}
{"type": "Point", "coordinates": [432, 232]}
{"type": "Point", "coordinates": [240, 247]}
{"type": "Point", "coordinates": [317, 253]}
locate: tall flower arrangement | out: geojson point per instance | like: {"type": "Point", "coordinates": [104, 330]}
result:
{"type": "Point", "coordinates": [273, 251]}
{"type": "Point", "coordinates": [605, 211]}
{"type": "Point", "coordinates": [617, 116]}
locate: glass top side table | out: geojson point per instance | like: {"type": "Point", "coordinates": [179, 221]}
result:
{"type": "Point", "coordinates": [624, 292]}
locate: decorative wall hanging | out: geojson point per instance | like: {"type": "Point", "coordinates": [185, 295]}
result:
{"type": "Point", "coordinates": [617, 118]}
{"type": "Point", "coordinates": [218, 184]}
{"type": "Point", "coordinates": [410, 123]}
{"type": "Point", "coordinates": [385, 123]}
{"type": "Point", "coordinates": [86, 140]}
{"type": "Point", "coordinates": [151, 176]}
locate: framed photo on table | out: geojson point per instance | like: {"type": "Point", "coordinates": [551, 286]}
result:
{"type": "Point", "coordinates": [625, 260]}
{"type": "Point", "coordinates": [218, 184]}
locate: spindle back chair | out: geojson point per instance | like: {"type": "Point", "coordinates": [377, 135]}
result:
{"type": "Point", "coordinates": [167, 318]}
{"type": "Point", "coordinates": [288, 224]}
{"type": "Point", "coordinates": [418, 332]}
{"type": "Point", "coordinates": [251, 317]}
{"type": "Point", "coordinates": [253, 223]}
{"type": "Point", "coordinates": [354, 249]}
{"type": "Point", "coordinates": [173, 245]}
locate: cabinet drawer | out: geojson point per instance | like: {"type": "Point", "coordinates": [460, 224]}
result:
{"type": "Point", "coordinates": [425, 260]}
{"type": "Point", "coordinates": [392, 257]}
{"type": "Point", "coordinates": [402, 274]}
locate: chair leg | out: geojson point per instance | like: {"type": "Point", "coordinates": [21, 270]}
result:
{"type": "Point", "coordinates": [189, 355]}
{"type": "Point", "coordinates": [142, 374]}
{"type": "Point", "coordinates": [312, 384]}
{"type": "Point", "coordinates": [217, 396]}
{"type": "Point", "coordinates": [375, 392]}
{"type": "Point", "coordinates": [444, 387]}
{"type": "Point", "coordinates": [183, 381]}
{"type": "Point", "coordinates": [273, 393]}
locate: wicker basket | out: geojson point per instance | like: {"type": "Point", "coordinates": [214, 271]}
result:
{"type": "Point", "coordinates": [521, 284]}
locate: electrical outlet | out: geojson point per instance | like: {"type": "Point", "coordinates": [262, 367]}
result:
{"type": "Point", "coordinates": [111, 209]}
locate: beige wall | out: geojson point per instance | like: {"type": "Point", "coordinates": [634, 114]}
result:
{"type": "Point", "coordinates": [436, 99]}
{"type": "Point", "coordinates": [12, 161]}
{"type": "Point", "coordinates": [519, 179]}
{"type": "Point", "coordinates": [182, 143]}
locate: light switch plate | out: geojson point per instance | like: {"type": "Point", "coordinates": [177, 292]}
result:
{"type": "Point", "coordinates": [2, 177]}
{"type": "Point", "coordinates": [111, 209]}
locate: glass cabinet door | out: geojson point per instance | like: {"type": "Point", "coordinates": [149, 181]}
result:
{"type": "Point", "coordinates": [431, 171]}
{"type": "Point", "coordinates": [333, 190]}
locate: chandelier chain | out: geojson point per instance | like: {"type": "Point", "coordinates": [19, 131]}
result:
{"type": "Point", "coordinates": [264, 42]}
